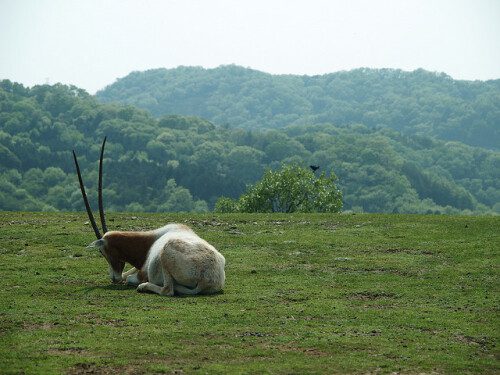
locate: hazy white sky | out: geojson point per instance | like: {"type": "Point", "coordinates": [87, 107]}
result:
{"type": "Point", "coordinates": [90, 43]}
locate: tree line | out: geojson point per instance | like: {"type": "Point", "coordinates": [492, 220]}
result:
{"type": "Point", "coordinates": [185, 163]}
{"type": "Point", "coordinates": [418, 102]}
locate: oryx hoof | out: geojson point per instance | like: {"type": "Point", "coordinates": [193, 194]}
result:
{"type": "Point", "coordinates": [142, 288]}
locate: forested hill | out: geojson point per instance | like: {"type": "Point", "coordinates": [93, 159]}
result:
{"type": "Point", "coordinates": [418, 102]}
{"type": "Point", "coordinates": [178, 163]}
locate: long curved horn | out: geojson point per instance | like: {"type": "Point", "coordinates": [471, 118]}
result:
{"type": "Point", "coordinates": [101, 207]}
{"type": "Point", "coordinates": [85, 200]}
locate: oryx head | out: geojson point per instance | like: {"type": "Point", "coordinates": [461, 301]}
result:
{"type": "Point", "coordinates": [116, 264]}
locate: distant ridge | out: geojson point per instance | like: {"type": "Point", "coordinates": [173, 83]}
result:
{"type": "Point", "coordinates": [418, 102]}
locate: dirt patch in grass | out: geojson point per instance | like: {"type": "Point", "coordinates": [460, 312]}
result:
{"type": "Point", "coordinates": [205, 223]}
{"type": "Point", "coordinates": [407, 251]}
{"type": "Point", "coordinates": [307, 351]}
{"type": "Point", "coordinates": [369, 296]}
{"type": "Point", "coordinates": [68, 351]}
{"type": "Point", "coordinates": [35, 326]}
{"type": "Point", "coordinates": [292, 296]}
{"type": "Point", "coordinates": [254, 334]}
{"type": "Point", "coordinates": [391, 271]}
{"type": "Point", "coordinates": [96, 320]}
{"type": "Point", "coordinates": [92, 368]}
{"type": "Point", "coordinates": [430, 331]}
{"type": "Point", "coordinates": [483, 342]}
{"type": "Point", "coordinates": [88, 368]}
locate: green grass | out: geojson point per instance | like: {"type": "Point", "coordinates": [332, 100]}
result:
{"type": "Point", "coordinates": [304, 294]}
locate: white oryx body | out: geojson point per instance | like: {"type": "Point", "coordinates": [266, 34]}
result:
{"type": "Point", "coordinates": [170, 259]}
{"type": "Point", "coordinates": [177, 261]}
{"type": "Point", "coordinates": [186, 261]}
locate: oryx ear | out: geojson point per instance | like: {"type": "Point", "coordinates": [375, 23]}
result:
{"type": "Point", "coordinates": [99, 244]}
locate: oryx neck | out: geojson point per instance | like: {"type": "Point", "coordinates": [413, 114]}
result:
{"type": "Point", "coordinates": [131, 247]}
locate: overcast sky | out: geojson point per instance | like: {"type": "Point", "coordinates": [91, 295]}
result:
{"type": "Point", "coordinates": [90, 43]}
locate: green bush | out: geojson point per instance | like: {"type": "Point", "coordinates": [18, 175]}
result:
{"type": "Point", "coordinates": [290, 189]}
{"type": "Point", "coordinates": [225, 205]}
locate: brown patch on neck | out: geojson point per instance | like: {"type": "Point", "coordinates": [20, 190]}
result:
{"type": "Point", "coordinates": [130, 247]}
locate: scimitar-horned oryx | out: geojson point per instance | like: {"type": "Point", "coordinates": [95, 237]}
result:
{"type": "Point", "coordinates": [165, 260]}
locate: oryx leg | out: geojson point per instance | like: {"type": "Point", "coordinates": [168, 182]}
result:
{"type": "Point", "coordinates": [129, 272]}
{"type": "Point", "coordinates": [167, 289]}
{"type": "Point", "coordinates": [137, 278]}
{"type": "Point", "coordinates": [131, 277]}
{"type": "Point", "coordinates": [149, 287]}
{"type": "Point", "coordinates": [133, 280]}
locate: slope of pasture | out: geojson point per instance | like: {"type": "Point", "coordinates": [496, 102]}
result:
{"type": "Point", "coordinates": [305, 294]}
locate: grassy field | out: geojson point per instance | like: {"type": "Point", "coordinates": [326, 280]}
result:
{"type": "Point", "coordinates": [304, 294]}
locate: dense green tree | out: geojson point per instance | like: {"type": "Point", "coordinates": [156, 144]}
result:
{"type": "Point", "coordinates": [176, 199]}
{"type": "Point", "coordinates": [226, 205]}
{"type": "Point", "coordinates": [290, 189]}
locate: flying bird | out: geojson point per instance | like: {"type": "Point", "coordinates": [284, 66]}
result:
{"type": "Point", "coordinates": [314, 167]}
